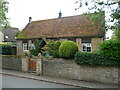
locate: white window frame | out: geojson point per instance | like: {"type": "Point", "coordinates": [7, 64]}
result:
{"type": "Point", "coordinates": [86, 45]}
{"type": "Point", "coordinates": [32, 46]}
{"type": "Point", "coordinates": [25, 46]}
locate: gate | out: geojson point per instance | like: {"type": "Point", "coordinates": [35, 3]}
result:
{"type": "Point", "coordinates": [32, 64]}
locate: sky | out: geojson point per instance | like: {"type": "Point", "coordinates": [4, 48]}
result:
{"type": "Point", "coordinates": [21, 10]}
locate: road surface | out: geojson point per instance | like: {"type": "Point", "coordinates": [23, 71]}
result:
{"type": "Point", "coordinates": [17, 82]}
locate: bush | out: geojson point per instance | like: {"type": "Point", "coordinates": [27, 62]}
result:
{"type": "Point", "coordinates": [52, 48]}
{"type": "Point", "coordinates": [94, 59]}
{"type": "Point", "coordinates": [110, 49]}
{"type": "Point", "coordinates": [37, 50]}
{"type": "Point", "coordinates": [6, 49]}
{"type": "Point", "coordinates": [34, 52]}
{"type": "Point", "coordinates": [68, 49]}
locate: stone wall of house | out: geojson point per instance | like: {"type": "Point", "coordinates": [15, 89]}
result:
{"type": "Point", "coordinates": [79, 43]}
{"type": "Point", "coordinates": [20, 47]}
{"type": "Point", "coordinates": [95, 43]}
{"type": "Point", "coordinates": [12, 62]}
{"type": "Point", "coordinates": [69, 69]}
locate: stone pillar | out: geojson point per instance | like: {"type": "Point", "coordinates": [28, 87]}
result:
{"type": "Point", "coordinates": [79, 43]}
{"type": "Point", "coordinates": [19, 47]}
{"type": "Point", "coordinates": [95, 43]}
{"type": "Point", "coordinates": [24, 64]}
{"type": "Point", "coordinates": [39, 64]}
{"type": "Point", "coordinates": [29, 44]}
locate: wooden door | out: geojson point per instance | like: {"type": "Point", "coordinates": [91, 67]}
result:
{"type": "Point", "coordinates": [32, 64]}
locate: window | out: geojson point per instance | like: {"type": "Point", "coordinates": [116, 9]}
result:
{"type": "Point", "coordinates": [25, 46]}
{"type": "Point", "coordinates": [86, 47]}
{"type": "Point", "coordinates": [86, 44]}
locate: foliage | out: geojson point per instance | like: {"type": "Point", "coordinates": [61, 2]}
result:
{"type": "Point", "coordinates": [94, 59]}
{"type": "Point", "coordinates": [101, 5]}
{"type": "Point", "coordinates": [37, 50]}
{"type": "Point", "coordinates": [52, 47]}
{"type": "Point", "coordinates": [111, 49]}
{"type": "Point", "coordinates": [116, 35]}
{"type": "Point", "coordinates": [34, 52]}
{"type": "Point", "coordinates": [6, 49]}
{"type": "Point", "coordinates": [2, 43]}
{"type": "Point", "coordinates": [68, 49]}
{"type": "Point", "coordinates": [3, 11]}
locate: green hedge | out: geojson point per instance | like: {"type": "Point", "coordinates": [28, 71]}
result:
{"type": "Point", "coordinates": [111, 49]}
{"type": "Point", "coordinates": [94, 59]}
{"type": "Point", "coordinates": [6, 49]}
{"type": "Point", "coordinates": [68, 49]}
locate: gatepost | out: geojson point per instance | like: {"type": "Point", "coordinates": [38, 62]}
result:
{"type": "Point", "coordinates": [25, 64]}
{"type": "Point", "coordinates": [39, 64]}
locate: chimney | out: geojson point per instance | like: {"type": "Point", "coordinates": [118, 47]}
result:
{"type": "Point", "coordinates": [60, 14]}
{"type": "Point", "coordinates": [30, 19]}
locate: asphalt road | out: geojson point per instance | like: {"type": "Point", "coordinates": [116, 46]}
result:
{"type": "Point", "coordinates": [17, 82]}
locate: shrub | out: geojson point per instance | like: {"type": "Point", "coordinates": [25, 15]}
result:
{"type": "Point", "coordinates": [37, 50]}
{"type": "Point", "coordinates": [68, 49]}
{"type": "Point", "coordinates": [94, 59]}
{"type": "Point", "coordinates": [34, 52]}
{"type": "Point", "coordinates": [111, 49]}
{"type": "Point", "coordinates": [52, 48]}
{"type": "Point", "coordinates": [6, 49]}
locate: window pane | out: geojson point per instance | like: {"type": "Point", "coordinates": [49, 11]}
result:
{"type": "Point", "coordinates": [25, 46]}
{"type": "Point", "coordinates": [86, 47]}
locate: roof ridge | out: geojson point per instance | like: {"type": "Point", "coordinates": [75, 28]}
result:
{"type": "Point", "coordinates": [56, 18]}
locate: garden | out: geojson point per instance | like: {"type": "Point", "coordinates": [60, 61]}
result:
{"type": "Point", "coordinates": [107, 55]}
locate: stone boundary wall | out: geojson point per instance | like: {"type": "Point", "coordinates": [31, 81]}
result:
{"type": "Point", "coordinates": [69, 69]}
{"type": "Point", "coordinates": [12, 62]}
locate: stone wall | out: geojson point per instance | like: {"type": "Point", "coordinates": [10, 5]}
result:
{"type": "Point", "coordinates": [69, 69]}
{"type": "Point", "coordinates": [79, 43]}
{"type": "Point", "coordinates": [12, 62]}
{"type": "Point", "coordinates": [95, 43]}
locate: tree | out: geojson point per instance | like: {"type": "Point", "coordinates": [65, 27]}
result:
{"type": "Point", "coordinates": [116, 35]}
{"type": "Point", "coordinates": [102, 5]}
{"type": "Point", "coordinates": [3, 11]}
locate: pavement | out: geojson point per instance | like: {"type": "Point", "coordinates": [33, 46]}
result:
{"type": "Point", "coordinates": [75, 83]}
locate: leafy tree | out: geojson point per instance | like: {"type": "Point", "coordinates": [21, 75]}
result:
{"type": "Point", "coordinates": [3, 11]}
{"type": "Point", "coordinates": [116, 35]}
{"type": "Point", "coordinates": [102, 5]}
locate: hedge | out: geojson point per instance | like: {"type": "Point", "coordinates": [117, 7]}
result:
{"type": "Point", "coordinates": [94, 59]}
{"type": "Point", "coordinates": [6, 49]}
{"type": "Point", "coordinates": [111, 49]}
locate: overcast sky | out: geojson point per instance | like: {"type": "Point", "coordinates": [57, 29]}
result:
{"type": "Point", "coordinates": [21, 10]}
